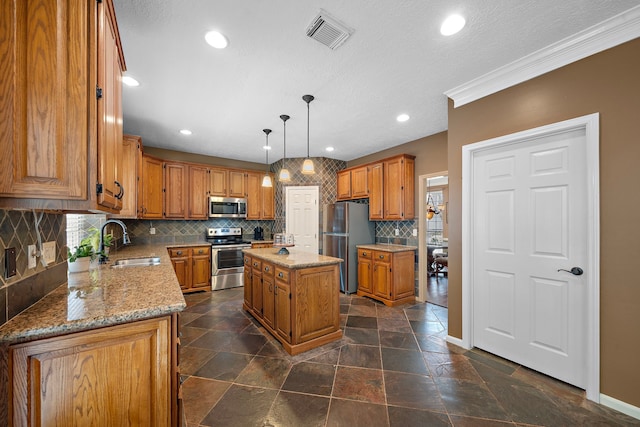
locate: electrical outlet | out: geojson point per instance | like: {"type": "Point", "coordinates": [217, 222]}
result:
{"type": "Point", "coordinates": [415, 232]}
{"type": "Point", "coordinates": [49, 252]}
{"type": "Point", "coordinates": [31, 256]}
{"type": "Point", "coordinates": [152, 230]}
{"type": "Point", "coordinates": [397, 232]}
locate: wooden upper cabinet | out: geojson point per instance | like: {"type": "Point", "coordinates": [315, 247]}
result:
{"type": "Point", "coordinates": [260, 200]}
{"type": "Point", "coordinates": [109, 95]}
{"type": "Point", "coordinates": [50, 120]}
{"type": "Point", "coordinates": [218, 179]}
{"type": "Point", "coordinates": [175, 190]}
{"type": "Point", "coordinates": [398, 192]}
{"type": "Point", "coordinates": [344, 184]}
{"type": "Point", "coordinates": [237, 184]}
{"type": "Point", "coordinates": [375, 178]}
{"type": "Point", "coordinates": [268, 201]}
{"type": "Point", "coordinates": [131, 163]}
{"type": "Point", "coordinates": [150, 186]}
{"type": "Point", "coordinates": [198, 192]}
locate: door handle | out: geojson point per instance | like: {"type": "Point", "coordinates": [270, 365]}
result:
{"type": "Point", "coordinates": [576, 271]}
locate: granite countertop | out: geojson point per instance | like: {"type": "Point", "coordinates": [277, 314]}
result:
{"type": "Point", "coordinates": [387, 248]}
{"type": "Point", "coordinates": [295, 259]}
{"type": "Point", "coordinates": [103, 296]}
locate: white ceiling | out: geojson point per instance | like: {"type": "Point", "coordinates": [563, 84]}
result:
{"type": "Point", "coordinates": [395, 62]}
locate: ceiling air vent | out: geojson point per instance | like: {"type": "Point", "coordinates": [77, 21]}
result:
{"type": "Point", "coordinates": [328, 30]}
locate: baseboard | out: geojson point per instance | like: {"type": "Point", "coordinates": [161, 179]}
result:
{"type": "Point", "coordinates": [456, 341]}
{"type": "Point", "coordinates": [618, 405]}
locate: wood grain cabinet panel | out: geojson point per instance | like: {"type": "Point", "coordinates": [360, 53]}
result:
{"type": "Point", "coordinates": [150, 188]}
{"type": "Point", "coordinates": [198, 192]}
{"type": "Point", "coordinates": [131, 167]}
{"type": "Point", "coordinates": [114, 376]}
{"type": "Point", "coordinates": [388, 277]}
{"type": "Point", "coordinates": [260, 200]}
{"type": "Point", "coordinates": [237, 184]}
{"type": "Point", "coordinates": [375, 178]}
{"type": "Point", "coordinates": [343, 183]}
{"type": "Point", "coordinates": [175, 190]}
{"type": "Point", "coordinates": [192, 266]}
{"type": "Point", "coordinates": [218, 182]}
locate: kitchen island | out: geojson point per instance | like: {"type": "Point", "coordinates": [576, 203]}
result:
{"type": "Point", "coordinates": [103, 347]}
{"type": "Point", "coordinates": [294, 296]}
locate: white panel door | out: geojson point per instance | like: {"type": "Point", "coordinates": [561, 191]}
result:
{"type": "Point", "coordinates": [529, 220]}
{"type": "Point", "coordinates": [303, 216]}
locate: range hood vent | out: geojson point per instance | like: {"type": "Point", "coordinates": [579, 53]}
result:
{"type": "Point", "coordinates": [328, 30]}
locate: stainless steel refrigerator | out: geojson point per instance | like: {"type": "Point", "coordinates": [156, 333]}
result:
{"type": "Point", "coordinates": [345, 225]}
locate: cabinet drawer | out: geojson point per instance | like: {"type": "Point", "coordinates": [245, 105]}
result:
{"type": "Point", "coordinates": [247, 261]}
{"type": "Point", "coordinates": [178, 252]}
{"type": "Point", "coordinates": [382, 256]}
{"type": "Point", "coordinates": [205, 250]}
{"type": "Point", "coordinates": [267, 269]}
{"type": "Point", "coordinates": [282, 275]}
{"type": "Point", "coordinates": [257, 264]}
{"type": "Point", "coordinates": [365, 253]}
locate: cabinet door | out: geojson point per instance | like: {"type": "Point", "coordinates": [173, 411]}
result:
{"type": "Point", "coordinates": [393, 189]}
{"type": "Point", "coordinates": [110, 69]}
{"type": "Point", "coordinates": [201, 267]}
{"type": "Point", "coordinates": [254, 195]}
{"type": "Point", "coordinates": [359, 186]}
{"type": "Point", "coordinates": [364, 275]}
{"type": "Point", "coordinates": [408, 187]}
{"type": "Point", "coordinates": [283, 310]}
{"type": "Point", "coordinates": [237, 184]}
{"type": "Point", "coordinates": [268, 201]}
{"type": "Point", "coordinates": [131, 152]}
{"type": "Point", "coordinates": [256, 292]}
{"type": "Point", "coordinates": [268, 300]}
{"type": "Point", "coordinates": [381, 279]}
{"type": "Point", "coordinates": [175, 194]}
{"type": "Point", "coordinates": [198, 192]}
{"type": "Point", "coordinates": [182, 267]}
{"type": "Point", "coordinates": [108, 376]}
{"type": "Point", "coordinates": [376, 196]}
{"type": "Point", "coordinates": [403, 274]}
{"type": "Point", "coordinates": [344, 185]}
{"type": "Point", "coordinates": [150, 195]}
{"type": "Point", "coordinates": [218, 182]}
{"type": "Point", "coordinates": [248, 299]}
{"type": "Point", "coordinates": [44, 118]}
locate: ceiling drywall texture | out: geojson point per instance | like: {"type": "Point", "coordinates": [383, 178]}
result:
{"type": "Point", "coordinates": [395, 62]}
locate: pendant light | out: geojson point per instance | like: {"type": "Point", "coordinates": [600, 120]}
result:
{"type": "Point", "coordinates": [266, 181]}
{"type": "Point", "coordinates": [285, 176]}
{"type": "Point", "coordinates": [307, 166]}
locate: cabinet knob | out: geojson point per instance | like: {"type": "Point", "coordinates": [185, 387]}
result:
{"type": "Point", "coordinates": [280, 274]}
{"type": "Point", "coordinates": [364, 254]}
{"type": "Point", "coordinates": [179, 252]}
{"type": "Point", "coordinates": [381, 256]}
{"type": "Point", "coordinates": [200, 251]}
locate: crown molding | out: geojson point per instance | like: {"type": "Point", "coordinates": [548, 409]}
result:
{"type": "Point", "coordinates": [605, 35]}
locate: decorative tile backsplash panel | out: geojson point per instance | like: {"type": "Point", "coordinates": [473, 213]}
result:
{"type": "Point", "coordinates": [18, 229]}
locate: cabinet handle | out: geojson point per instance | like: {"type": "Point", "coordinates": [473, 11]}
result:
{"type": "Point", "coordinates": [275, 290]}
{"type": "Point", "coordinates": [121, 193]}
{"type": "Point", "coordinates": [179, 252]}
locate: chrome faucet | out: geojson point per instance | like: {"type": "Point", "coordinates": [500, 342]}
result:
{"type": "Point", "coordinates": [125, 237]}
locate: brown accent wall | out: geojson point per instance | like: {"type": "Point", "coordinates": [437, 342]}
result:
{"type": "Point", "coordinates": [180, 156]}
{"type": "Point", "coordinates": [430, 152]}
{"type": "Point", "coordinates": [608, 83]}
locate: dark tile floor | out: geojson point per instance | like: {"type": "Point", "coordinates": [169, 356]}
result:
{"type": "Point", "coordinates": [438, 289]}
{"type": "Point", "coordinates": [393, 367]}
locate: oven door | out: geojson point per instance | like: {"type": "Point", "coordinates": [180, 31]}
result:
{"type": "Point", "coordinates": [227, 267]}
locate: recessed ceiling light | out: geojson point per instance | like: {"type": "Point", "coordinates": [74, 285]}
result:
{"type": "Point", "coordinates": [266, 147]}
{"type": "Point", "coordinates": [329, 149]}
{"type": "Point", "coordinates": [130, 81]}
{"type": "Point", "coordinates": [402, 117]}
{"type": "Point", "coordinates": [186, 132]}
{"type": "Point", "coordinates": [452, 25]}
{"type": "Point", "coordinates": [216, 39]}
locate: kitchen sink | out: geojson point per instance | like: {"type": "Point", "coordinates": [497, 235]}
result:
{"type": "Point", "coordinates": [136, 262]}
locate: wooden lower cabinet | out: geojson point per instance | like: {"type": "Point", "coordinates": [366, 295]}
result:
{"type": "Point", "coordinates": [387, 276]}
{"type": "Point", "coordinates": [114, 376]}
{"type": "Point", "coordinates": [299, 306]}
{"type": "Point", "coordinates": [192, 265]}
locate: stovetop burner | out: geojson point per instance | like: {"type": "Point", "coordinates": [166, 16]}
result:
{"type": "Point", "coordinates": [225, 236]}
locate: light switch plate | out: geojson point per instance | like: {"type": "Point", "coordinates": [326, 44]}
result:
{"type": "Point", "coordinates": [415, 232]}
{"type": "Point", "coordinates": [49, 252]}
{"type": "Point", "coordinates": [31, 256]}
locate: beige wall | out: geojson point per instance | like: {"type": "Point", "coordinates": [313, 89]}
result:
{"type": "Point", "coordinates": [430, 152]}
{"type": "Point", "coordinates": [608, 83]}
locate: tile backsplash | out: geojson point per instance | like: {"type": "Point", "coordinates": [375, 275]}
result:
{"type": "Point", "coordinates": [18, 229]}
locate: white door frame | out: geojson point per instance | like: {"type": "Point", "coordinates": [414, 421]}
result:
{"type": "Point", "coordinates": [422, 244]}
{"type": "Point", "coordinates": [590, 123]}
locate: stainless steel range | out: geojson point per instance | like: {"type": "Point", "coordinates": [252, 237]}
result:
{"type": "Point", "coordinates": [227, 262]}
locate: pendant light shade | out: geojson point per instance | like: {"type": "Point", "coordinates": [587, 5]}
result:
{"type": "Point", "coordinates": [284, 176]}
{"type": "Point", "coordinates": [307, 166]}
{"type": "Point", "coordinates": [266, 181]}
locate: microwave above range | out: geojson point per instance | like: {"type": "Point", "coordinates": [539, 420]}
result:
{"type": "Point", "coordinates": [227, 207]}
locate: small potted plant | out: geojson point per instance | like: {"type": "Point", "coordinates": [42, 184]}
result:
{"type": "Point", "coordinates": [80, 258]}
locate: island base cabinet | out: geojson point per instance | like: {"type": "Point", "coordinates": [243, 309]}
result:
{"type": "Point", "coordinates": [299, 307]}
{"type": "Point", "coordinates": [116, 376]}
